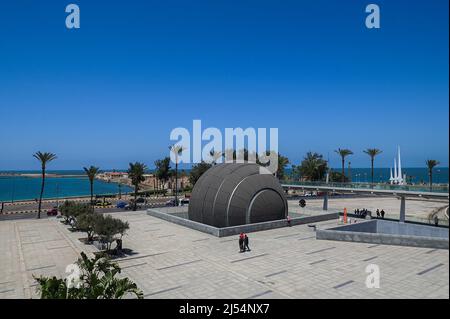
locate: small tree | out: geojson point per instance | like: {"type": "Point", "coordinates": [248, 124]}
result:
{"type": "Point", "coordinates": [107, 228]}
{"type": "Point", "coordinates": [86, 223]}
{"type": "Point", "coordinates": [71, 210]}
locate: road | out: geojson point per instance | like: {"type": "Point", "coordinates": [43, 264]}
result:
{"type": "Point", "coordinates": [20, 210]}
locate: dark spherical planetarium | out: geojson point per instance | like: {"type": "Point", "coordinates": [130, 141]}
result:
{"type": "Point", "coordinates": [235, 194]}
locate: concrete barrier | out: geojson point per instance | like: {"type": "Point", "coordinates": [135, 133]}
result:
{"type": "Point", "coordinates": [229, 231]}
{"type": "Point", "coordinates": [388, 233]}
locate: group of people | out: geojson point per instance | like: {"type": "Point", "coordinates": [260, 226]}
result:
{"type": "Point", "coordinates": [243, 242]}
{"type": "Point", "coordinates": [362, 212]}
{"type": "Point", "coordinates": [380, 213]}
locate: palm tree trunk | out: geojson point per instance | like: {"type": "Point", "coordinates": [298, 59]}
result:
{"type": "Point", "coordinates": [42, 193]}
{"type": "Point", "coordinates": [430, 174]}
{"type": "Point", "coordinates": [92, 192]}
{"type": "Point", "coordinates": [343, 170]}
{"type": "Point", "coordinates": [372, 169]}
{"type": "Point", "coordinates": [176, 184]}
{"type": "Point", "coordinates": [135, 197]}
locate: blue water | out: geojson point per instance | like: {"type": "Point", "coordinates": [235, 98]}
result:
{"type": "Point", "coordinates": [20, 188]}
{"type": "Point", "coordinates": [416, 175]}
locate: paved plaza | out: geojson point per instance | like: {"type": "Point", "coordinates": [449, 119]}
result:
{"type": "Point", "coordinates": [172, 261]}
{"type": "Point", "coordinates": [416, 210]}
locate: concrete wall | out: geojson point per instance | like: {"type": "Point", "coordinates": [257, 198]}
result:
{"type": "Point", "coordinates": [229, 231]}
{"type": "Point", "coordinates": [388, 233]}
{"type": "Point", "coordinates": [384, 239]}
{"type": "Point", "coordinates": [184, 222]}
{"type": "Point", "coordinates": [387, 227]}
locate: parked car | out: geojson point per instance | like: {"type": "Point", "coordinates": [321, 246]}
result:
{"type": "Point", "coordinates": [121, 204]}
{"type": "Point", "coordinates": [52, 212]}
{"type": "Point", "coordinates": [141, 200]}
{"type": "Point", "coordinates": [184, 201]}
{"type": "Point", "coordinates": [102, 203]}
{"type": "Point", "coordinates": [170, 202]}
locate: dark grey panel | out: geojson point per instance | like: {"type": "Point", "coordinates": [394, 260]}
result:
{"type": "Point", "coordinates": [223, 196]}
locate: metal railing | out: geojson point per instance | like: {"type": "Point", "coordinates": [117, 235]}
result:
{"type": "Point", "coordinates": [376, 186]}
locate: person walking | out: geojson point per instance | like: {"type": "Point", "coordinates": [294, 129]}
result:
{"type": "Point", "coordinates": [246, 243]}
{"type": "Point", "coordinates": [378, 212]}
{"type": "Point", "coordinates": [241, 243]}
{"type": "Point", "coordinates": [382, 213]}
{"type": "Point", "coordinates": [436, 220]}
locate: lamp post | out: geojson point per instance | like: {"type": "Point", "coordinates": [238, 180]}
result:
{"type": "Point", "coordinates": [13, 189]}
{"type": "Point", "coordinates": [349, 172]}
{"type": "Point", "coordinates": [57, 195]}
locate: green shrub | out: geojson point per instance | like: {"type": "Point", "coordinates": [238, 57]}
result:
{"type": "Point", "coordinates": [71, 210]}
{"type": "Point", "coordinates": [86, 223]}
{"type": "Point", "coordinates": [97, 281]}
{"type": "Point", "coordinates": [109, 229]}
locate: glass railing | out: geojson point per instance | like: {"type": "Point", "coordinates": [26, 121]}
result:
{"type": "Point", "coordinates": [377, 186]}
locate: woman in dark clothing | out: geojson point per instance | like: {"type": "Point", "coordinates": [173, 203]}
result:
{"type": "Point", "coordinates": [241, 242]}
{"type": "Point", "coordinates": [246, 243]}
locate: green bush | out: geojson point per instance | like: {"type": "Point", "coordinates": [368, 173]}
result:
{"type": "Point", "coordinates": [97, 281]}
{"type": "Point", "coordinates": [109, 229]}
{"type": "Point", "coordinates": [86, 223]}
{"type": "Point", "coordinates": [71, 210]}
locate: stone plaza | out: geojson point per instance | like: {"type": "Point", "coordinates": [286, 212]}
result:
{"type": "Point", "coordinates": [172, 261]}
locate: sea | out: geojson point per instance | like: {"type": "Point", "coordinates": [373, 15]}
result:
{"type": "Point", "coordinates": [14, 188]}
{"type": "Point", "coordinates": [72, 183]}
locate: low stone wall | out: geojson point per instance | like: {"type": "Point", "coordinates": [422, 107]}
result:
{"type": "Point", "coordinates": [229, 231]}
{"type": "Point", "coordinates": [369, 232]}
{"type": "Point", "coordinates": [184, 222]}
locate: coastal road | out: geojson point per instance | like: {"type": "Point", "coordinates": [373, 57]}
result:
{"type": "Point", "coordinates": [20, 210]}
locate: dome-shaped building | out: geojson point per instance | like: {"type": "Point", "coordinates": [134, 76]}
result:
{"type": "Point", "coordinates": [235, 194]}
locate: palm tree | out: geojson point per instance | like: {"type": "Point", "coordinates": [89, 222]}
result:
{"type": "Point", "coordinates": [44, 158]}
{"type": "Point", "coordinates": [163, 170]}
{"type": "Point", "coordinates": [372, 152]}
{"type": "Point", "coordinates": [431, 164]}
{"type": "Point", "coordinates": [136, 174]}
{"type": "Point", "coordinates": [343, 153]}
{"type": "Point", "coordinates": [177, 150]}
{"type": "Point", "coordinates": [91, 172]}
{"type": "Point", "coordinates": [215, 156]}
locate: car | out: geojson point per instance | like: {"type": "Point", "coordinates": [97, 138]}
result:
{"type": "Point", "coordinates": [141, 200]}
{"type": "Point", "coordinates": [52, 212]}
{"type": "Point", "coordinates": [121, 204]}
{"type": "Point", "coordinates": [170, 202]}
{"type": "Point", "coordinates": [184, 201]}
{"type": "Point", "coordinates": [102, 203]}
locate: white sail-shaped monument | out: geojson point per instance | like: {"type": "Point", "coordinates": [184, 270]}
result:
{"type": "Point", "coordinates": [397, 177]}
{"type": "Point", "coordinates": [395, 171]}
{"type": "Point", "coordinates": [399, 174]}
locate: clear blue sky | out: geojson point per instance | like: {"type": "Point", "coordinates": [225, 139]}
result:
{"type": "Point", "coordinates": [111, 92]}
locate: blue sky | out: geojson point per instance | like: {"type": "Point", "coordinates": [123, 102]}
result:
{"type": "Point", "coordinates": [111, 92]}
